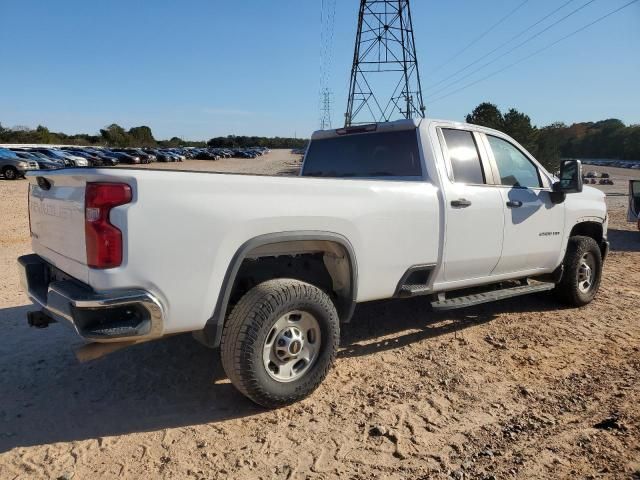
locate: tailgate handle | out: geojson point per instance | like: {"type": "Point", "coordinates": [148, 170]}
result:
{"type": "Point", "coordinates": [460, 203]}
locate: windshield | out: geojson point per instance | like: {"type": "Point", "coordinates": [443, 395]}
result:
{"type": "Point", "coordinates": [387, 154]}
{"type": "Point", "coordinates": [4, 153]}
{"type": "Point", "coordinates": [54, 153]}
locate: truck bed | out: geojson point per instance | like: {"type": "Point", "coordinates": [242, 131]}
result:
{"type": "Point", "coordinates": [182, 229]}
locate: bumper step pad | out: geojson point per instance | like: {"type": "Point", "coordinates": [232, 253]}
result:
{"type": "Point", "coordinates": [118, 330]}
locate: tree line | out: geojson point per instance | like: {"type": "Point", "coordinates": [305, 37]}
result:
{"type": "Point", "coordinates": [233, 141]}
{"type": "Point", "coordinates": [609, 138]}
{"type": "Point", "coordinates": [116, 136]}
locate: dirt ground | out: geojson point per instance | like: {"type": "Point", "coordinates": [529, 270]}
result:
{"type": "Point", "coordinates": [519, 389]}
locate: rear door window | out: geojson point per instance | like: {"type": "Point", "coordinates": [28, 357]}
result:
{"type": "Point", "coordinates": [464, 156]}
{"type": "Point", "coordinates": [368, 155]}
{"type": "Point", "coordinates": [515, 169]}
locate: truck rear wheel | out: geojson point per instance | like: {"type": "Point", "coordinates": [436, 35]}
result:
{"type": "Point", "coordinates": [582, 272]}
{"type": "Point", "coordinates": [280, 341]}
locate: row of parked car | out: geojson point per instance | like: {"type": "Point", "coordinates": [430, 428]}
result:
{"type": "Point", "coordinates": [218, 153]}
{"type": "Point", "coordinates": [633, 164]}
{"type": "Point", "coordinates": [16, 161]}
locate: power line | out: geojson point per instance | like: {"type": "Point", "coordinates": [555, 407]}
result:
{"type": "Point", "coordinates": [502, 45]}
{"type": "Point", "coordinates": [575, 32]}
{"type": "Point", "coordinates": [480, 37]}
{"type": "Point", "coordinates": [532, 37]}
{"type": "Point", "coordinates": [327, 22]}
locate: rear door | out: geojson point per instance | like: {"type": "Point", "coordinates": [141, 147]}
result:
{"type": "Point", "coordinates": [473, 209]}
{"type": "Point", "coordinates": [533, 224]}
{"type": "Point", "coordinates": [634, 200]}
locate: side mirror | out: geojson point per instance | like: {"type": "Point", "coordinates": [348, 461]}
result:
{"type": "Point", "coordinates": [570, 177]}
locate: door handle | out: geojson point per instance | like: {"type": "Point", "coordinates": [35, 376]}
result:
{"type": "Point", "coordinates": [460, 203]}
{"type": "Point", "coordinates": [514, 204]}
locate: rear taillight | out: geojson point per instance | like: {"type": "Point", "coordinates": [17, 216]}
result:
{"type": "Point", "coordinates": [104, 241]}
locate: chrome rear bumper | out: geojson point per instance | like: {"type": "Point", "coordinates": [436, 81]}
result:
{"type": "Point", "coordinates": [114, 316]}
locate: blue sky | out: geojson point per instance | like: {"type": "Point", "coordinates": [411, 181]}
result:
{"type": "Point", "coordinates": [201, 68]}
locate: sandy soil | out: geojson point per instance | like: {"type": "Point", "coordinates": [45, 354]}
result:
{"type": "Point", "coordinates": [518, 389]}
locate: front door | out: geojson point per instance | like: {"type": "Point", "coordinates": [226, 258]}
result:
{"type": "Point", "coordinates": [533, 224]}
{"type": "Point", "coordinates": [474, 223]}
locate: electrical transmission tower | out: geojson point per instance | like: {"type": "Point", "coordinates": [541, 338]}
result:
{"type": "Point", "coordinates": [325, 120]}
{"type": "Point", "coordinates": [385, 82]}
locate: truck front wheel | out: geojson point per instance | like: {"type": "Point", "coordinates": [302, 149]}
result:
{"type": "Point", "coordinates": [582, 272]}
{"type": "Point", "coordinates": [280, 341]}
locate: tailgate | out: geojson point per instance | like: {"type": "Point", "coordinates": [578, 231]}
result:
{"type": "Point", "coordinates": [56, 212]}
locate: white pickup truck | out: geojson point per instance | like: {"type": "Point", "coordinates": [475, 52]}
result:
{"type": "Point", "coordinates": [267, 268]}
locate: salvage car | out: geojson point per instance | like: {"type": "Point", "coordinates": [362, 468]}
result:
{"type": "Point", "coordinates": [270, 267]}
{"type": "Point", "coordinates": [12, 166]}
{"type": "Point", "coordinates": [43, 163]}
{"type": "Point", "coordinates": [58, 155]}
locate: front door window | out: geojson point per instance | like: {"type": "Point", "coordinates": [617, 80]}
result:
{"type": "Point", "coordinates": [515, 169]}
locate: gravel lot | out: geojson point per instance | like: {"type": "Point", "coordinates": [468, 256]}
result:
{"type": "Point", "coordinates": [519, 389]}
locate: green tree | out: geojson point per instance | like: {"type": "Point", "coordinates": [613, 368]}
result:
{"type": "Point", "coordinates": [43, 135]}
{"type": "Point", "coordinates": [518, 126]}
{"type": "Point", "coordinates": [175, 142]}
{"type": "Point", "coordinates": [550, 142]}
{"type": "Point", "coordinates": [487, 115]}
{"type": "Point", "coordinates": [141, 137]}
{"type": "Point", "coordinates": [115, 136]}
{"type": "Point", "coordinates": [233, 141]}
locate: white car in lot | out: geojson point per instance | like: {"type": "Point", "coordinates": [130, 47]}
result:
{"type": "Point", "coordinates": [267, 268]}
{"type": "Point", "coordinates": [77, 160]}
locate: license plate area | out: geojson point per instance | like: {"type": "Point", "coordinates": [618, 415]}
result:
{"type": "Point", "coordinates": [57, 275]}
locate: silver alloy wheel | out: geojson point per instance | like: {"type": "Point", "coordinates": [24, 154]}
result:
{"type": "Point", "coordinates": [586, 272]}
{"type": "Point", "coordinates": [10, 174]}
{"type": "Point", "coordinates": [292, 346]}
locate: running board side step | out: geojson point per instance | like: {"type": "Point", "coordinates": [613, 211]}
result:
{"type": "Point", "coordinates": [479, 298]}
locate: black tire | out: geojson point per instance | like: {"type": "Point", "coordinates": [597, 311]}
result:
{"type": "Point", "coordinates": [571, 290]}
{"type": "Point", "coordinates": [252, 320]}
{"type": "Point", "coordinates": [10, 173]}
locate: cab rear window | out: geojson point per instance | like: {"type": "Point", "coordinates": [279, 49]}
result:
{"type": "Point", "coordinates": [369, 155]}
